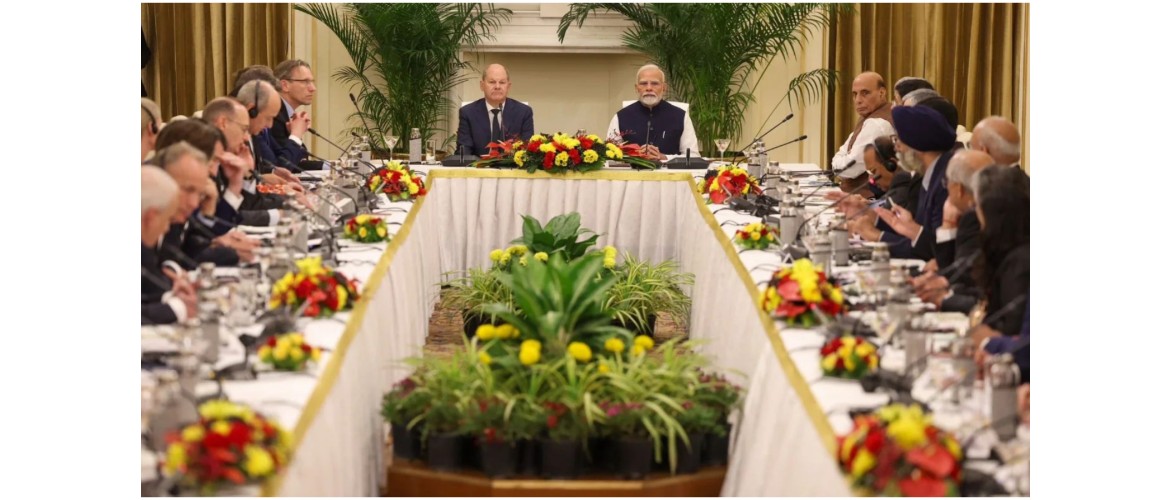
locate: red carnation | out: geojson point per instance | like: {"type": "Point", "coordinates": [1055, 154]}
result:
{"type": "Point", "coordinates": [586, 143]}
{"type": "Point", "coordinates": [552, 421]}
{"type": "Point", "coordinates": [534, 146]}
{"type": "Point", "coordinates": [305, 288]}
{"type": "Point", "coordinates": [548, 160]}
{"type": "Point", "coordinates": [271, 342]}
{"type": "Point", "coordinates": [576, 157]}
{"type": "Point", "coordinates": [240, 434]}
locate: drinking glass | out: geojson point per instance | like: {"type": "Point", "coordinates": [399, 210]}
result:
{"type": "Point", "coordinates": [430, 151]}
{"type": "Point", "coordinates": [722, 145]}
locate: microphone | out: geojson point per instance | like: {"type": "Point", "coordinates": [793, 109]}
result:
{"type": "Point", "coordinates": [782, 122]}
{"type": "Point", "coordinates": [364, 124]}
{"type": "Point", "coordinates": [821, 211]}
{"type": "Point", "coordinates": [798, 139]}
{"type": "Point", "coordinates": [331, 143]}
{"type": "Point", "coordinates": [187, 261]}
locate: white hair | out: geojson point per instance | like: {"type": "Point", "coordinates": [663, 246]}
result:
{"type": "Point", "coordinates": [653, 67]}
{"type": "Point", "coordinates": [250, 95]}
{"type": "Point", "coordinates": [158, 189]}
{"type": "Point", "coordinates": [918, 96]}
{"type": "Point", "coordinates": [998, 147]}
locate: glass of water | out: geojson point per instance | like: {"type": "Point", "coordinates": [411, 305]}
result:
{"type": "Point", "coordinates": [722, 145]}
{"type": "Point", "coordinates": [430, 151]}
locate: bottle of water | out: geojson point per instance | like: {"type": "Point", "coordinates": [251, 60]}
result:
{"type": "Point", "coordinates": [364, 146]}
{"type": "Point", "coordinates": [415, 146]}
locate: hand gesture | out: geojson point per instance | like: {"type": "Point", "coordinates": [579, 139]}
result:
{"type": "Point", "coordinates": [901, 220]}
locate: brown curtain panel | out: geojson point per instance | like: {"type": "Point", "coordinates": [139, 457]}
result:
{"type": "Point", "coordinates": [976, 55]}
{"type": "Point", "coordinates": [197, 48]}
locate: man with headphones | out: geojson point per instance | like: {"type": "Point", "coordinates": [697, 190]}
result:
{"type": "Point", "coordinates": [884, 175]}
{"type": "Point", "coordinates": [151, 125]}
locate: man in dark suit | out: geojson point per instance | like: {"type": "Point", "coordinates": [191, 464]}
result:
{"type": "Point", "coordinates": [495, 117]}
{"type": "Point", "coordinates": [297, 88]}
{"type": "Point", "coordinates": [925, 142]}
{"type": "Point", "coordinates": [166, 297]}
{"type": "Point", "coordinates": [659, 126]}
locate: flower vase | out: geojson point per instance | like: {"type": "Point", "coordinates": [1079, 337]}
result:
{"type": "Point", "coordinates": [444, 451]}
{"type": "Point", "coordinates": [498, 459]}
{"type": "Point", "coordinates": [559, 459]}
{"type": "Point", "coordinates": [635, 457]}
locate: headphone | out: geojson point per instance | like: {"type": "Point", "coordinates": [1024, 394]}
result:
{"type": "Point", "coordinates": [255, 111]}
{"type": "Point", "coordinates": [891, 161]}
{"type": "Point", "coordinates": [153, 120]}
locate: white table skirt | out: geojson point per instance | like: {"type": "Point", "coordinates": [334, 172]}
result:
{"type": "Point", "coordinates": [783, 443]}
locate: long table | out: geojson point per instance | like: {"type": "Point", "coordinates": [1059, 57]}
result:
{"type": "Point", "coordinates": [784, 440]}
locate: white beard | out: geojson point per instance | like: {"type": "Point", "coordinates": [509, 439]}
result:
{"type": "Point", "coordinates": [651, 100]}
{"type": "Point", "coordinates": [910, 162]}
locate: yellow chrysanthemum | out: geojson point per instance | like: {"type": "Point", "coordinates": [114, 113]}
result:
{"type": "Point", "coordinates": [562, 159]}
{"type": "Point", "coordinates": [529, 357]}
{"type": "Point", "coordinates": [835, 295]}
{"type": "Point", "coordinates": [536, 137]}
{"type": "Point", "coordinates": [412, 188]}
{"type": "Point", "coordinates": [610, 251]}
{"type": "Point", "coordinates": [645, 341]}
{"type": "Point", "coordinates": [547, 148]}
{"type": "Point", "coordinates": [193, 433]}
{"type": "Point", "coordinates": [755, 236]}
{"type": "Point", "coordinates": [541, 256]}
{"type": "Point", "coordinates": [907, 432]}
{"type": "Point", "coordinates": [829, 361]}
{"type": "Point", "coordinates": [862, 463]}
{"type": "Point", "coordinates": [315, 355]}
{"type": "Point", "coordinates": [381, 231]}
{"type": "Point", "coordinates": [485, 332]}
{"type": "Point", "coordinates": [953, 447]}
{"type": "Point", "coordinates": [603, 368]}
{"type": "Point", "coordinates": [176, 458]}
{"type": "Point", "coordinates": [485, 358]}
{"type": "Point", "coordinates": [362, 219]}
{"type": "Point", "coordinates": [520, 157]}
{"type": "Point", "coordinates": [517, 145]}
{"type": "Point", "coordinates": [590, 156]}
{"type": "Point", "coordinates": [506, 331]}
{"type": "Point", "coordinates": [342, 297]}
{"type": "Point", "coordinates": [593, 137]}
{"type": "Point", "coordinates": [610, 155]}
{"type": "Point", "coordinates": [637, 350]}
{"type": "Point", "coordinates": [580, 352]}
{"type": "Point", "coordinates": [257, 461]}
{"type": "Point", "coordinates": [615, 345]}
{"type": "Point", "coordinates": [296, 339]}
{"type": "Point", "coordinates": [523, 261]}
{"type": "Point", "coordinates": [297, 354]}
{"type": "Point", "coordinates": [518, 249]}
{"type": "Point", "coordinates": [264, 352]}
{"type": "Point", "coordinates": [865, 349]}
{"type": "Point", "coordinates": [609, 263]}
{"type": "Point", "coordinates": [496, 255]}
{"type": "Point", "coordinates": [530, 344]}
{"type": "Point", "coordinates": [221, 427]}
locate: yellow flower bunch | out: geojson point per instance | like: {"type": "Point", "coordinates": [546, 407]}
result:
{"type": "Point", "coordinates": [503, 332]}
{"type": "Point", "coordinates": [541, 256]}
{"type": "Point", "coordinates": [208, 453]}
{"type": "Point", "coordinates": [610, 260]}
{"type": "Point", "coordinates": [756, 236]}
{"type": "Point", "coordinates": [848, 357]}
{"type": "Point", "coordinates": [288, 352]}
{"type": "Point", "coordinates": [580, 352]}
{"type": "Point", "coordinates": [547, 147]}
{"type": "Point", "coordinates": [520, 157]}
{"type": "Point", "coordinates": [615, 345]}
{"type": "Point", "coordinates": [529, 352]}
{"type": "Point", "coordinates": [562, 159]}
{"type": "Point", "coordinates": [590, 156]}
{"type": "Point", "coordinates": [612, 152]}
{"type": "Point", "coordinates": [536, 137]}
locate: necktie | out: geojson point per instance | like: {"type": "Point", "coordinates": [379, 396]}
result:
{"type": "Point", "coordinates": [496, 136]}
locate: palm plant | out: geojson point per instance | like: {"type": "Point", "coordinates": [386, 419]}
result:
{"type": "Point", "coordinates": [406, 57]}
{"type": "Point", "coordinates": [710, 52]}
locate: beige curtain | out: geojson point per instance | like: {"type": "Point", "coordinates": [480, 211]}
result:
{"type": "Point", "coordinates": [197, 48]}
{"type": "Point", "coordinates": [975, 54]}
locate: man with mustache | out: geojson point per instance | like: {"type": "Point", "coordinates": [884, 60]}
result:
{"type": "Point", "coordinates": [659, 126]}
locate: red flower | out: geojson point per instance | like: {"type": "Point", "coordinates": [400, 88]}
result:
{"type": "Point", "coordinates": [533, 146]}
{"type": "Point", "coordinates": [933, 460]}
{"type": "Point", "coordinates": [271, 342]}
{"type": "Point", "coordinates": [923, 487]}
{"type": "Point", "coordinates": [586, 143]}
{"type": "Point", "coordinates": [548, 160]}
{"type": "Point", "coordinates": [306, 348]}
{"type": "Point", "coordinates": [304, 288]}
{"type": "Point", "coordinates": [552, 421]}
{"type": "Point", "coordinates": [240, 434]}
{"type": "Point", "coordinates": [874, 442]}
{"type": "Point", "coordinates": [575, 156]}
{"type": "Point", "coordinates": [789, 290]}
{"type": "Point", "coordinates": [489, 435]}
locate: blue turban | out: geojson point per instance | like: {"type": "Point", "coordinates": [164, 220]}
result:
{"type": "Point", "coordinates": [923, 129]}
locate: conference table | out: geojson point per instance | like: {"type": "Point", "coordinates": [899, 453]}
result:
{"type": "Point", "coordinates": [784, 440]}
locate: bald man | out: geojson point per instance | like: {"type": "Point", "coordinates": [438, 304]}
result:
{"type": "Point", "coordinates": [495, 117]}
{"type": "Point", "coordinates": [998, 137]}
{"type": "Point", "coordinates": [872, 104]}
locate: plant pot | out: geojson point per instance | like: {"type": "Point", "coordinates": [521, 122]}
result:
{"type": "Point", "coordinates": [471, 322]}
{"type": "Point", "coordinates": [715, 449]}
{"type": "Point", "coordinates": [559, 459]}
{"type": "Point", "coordinates": [600, 455]}
{"type": "Point", "coordinates": [498, 459]}
{"type": "Point", "coordinates": [635, 457]}
{"type": "Point", "coordinates": [469, 448]}
{"type": "Point", "coordinates": [444, 451]}
{"type": "Point", "coordinates": [528, 452]}
{"type": "Point", "coordinates": [407, 442]}
{"type": "Point", "coordinates": [650, 320]}
{"type": "Point", "coordinates": [689, 458]}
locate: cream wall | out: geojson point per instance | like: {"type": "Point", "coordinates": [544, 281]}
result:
{"type": "Point", "coordinates": [578, 84]}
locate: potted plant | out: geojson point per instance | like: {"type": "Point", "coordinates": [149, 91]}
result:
{"type": "Point", "coordinates": [697, 420]}
{"type": "Point", "coordinates": [400, 407]}
{"type": "Point", "coordinates": [472, 293]}
{"type": "Point", "coordinates": [407, 58]}
{"type": "Point", "coordinates": [631, 442]}
{"type": "Point", "coordinates": [526, 422]}
{"type": "Point", "coordinates": [642, 290]}
{"type": "Point", "coordinates": [496, 439]}
{"type": "Point", "coordinates": [723, 397]}
{"type": "Point", "coordinates": [560, 236]}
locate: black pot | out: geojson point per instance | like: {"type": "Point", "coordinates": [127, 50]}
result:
{"type": "Point", "coordinates": [407, 442]}
{"type": "Point", "coordinates": [650, 320]}
{"type": "Point", "coordinates": [498, 459]}
{"type": "Point", "coordinates": [600, 454]}
{"type": "Point", "coordinates": [469, 448]}
{"type": "Point", "coordinates": [528, 451]}
{"type": "Point", "coordinates": [689, 458]}
{"type": "Point", "coordinates": [559, 459]}
{"type": "Point", "coordinates": [715, 449]}
{"type": "Point", "coordinates": [444, 451]}
{"type": "Point", "coordinates": [635, 457]}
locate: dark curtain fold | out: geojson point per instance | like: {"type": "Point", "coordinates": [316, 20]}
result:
{"type": "Point", "coordinates": [197, 48]}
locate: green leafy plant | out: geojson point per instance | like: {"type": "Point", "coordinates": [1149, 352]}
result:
{"type": "Point", "coordinates": [403, 403]}
{"type": "Point", "coordinates": [712, 71]}
{"type": "Point", "coordinates": [723, 397]}
{"type": "Point", "coordinates": [560, 235]}
{"type": "Point", "coordinates": [643, 289]}
{"type": "Point", "coordinates": [473, 292]}
{"type": "Point", "coordinates": [559, 302]}
{"type": "Point", "coordinates": [407, 57]}
{"type": "Point", "coordinates": [698, 418]}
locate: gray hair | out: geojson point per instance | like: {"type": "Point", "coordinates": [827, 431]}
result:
{"type": "Point", "coordinates": [150, 113]}
{"type": "Point", "coordinates": [250, 95]}
{"type": "Point", "coordinates": [918, 96]}
{"type": "Point", "coordinates": [965, 166]}
{"type": "Point", "coordinates": [172, 154]}
{"type": "Point", "coordinates": [653, 67]}
{"type": "Point", "coordinates": [996, 145]}
{"type": "Point", "coordinates": [220, 106]}
{"type": "Point", "coordinates": [158, 189]}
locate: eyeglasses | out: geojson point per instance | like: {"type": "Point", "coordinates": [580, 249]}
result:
{"type": "Point", "coordinates": [246, 128]}
{"type": "Point", "coordinates": [894, 139]}
{"type": "Point", "coordinates": [306, 81]}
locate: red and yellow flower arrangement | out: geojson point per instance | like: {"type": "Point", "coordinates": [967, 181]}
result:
{"type": "Point", "coordinates": [327, 291]}
{"type": "Point", "coordinates": [848, 357]}
{"type": "Point", "coordinates": [560, 153]}
{"type": "Point", "coordinates": [897, 451]}
{"type": "Point", "coordinates": [288, 352]}
{"type": "Point", "coordinates": [229, 444]}
{"type": "Point", "coordinates": [366, 229]}
{"type": "Point", "coordinates": [397, 181]}
{"type": "Point", "coordinates": [802, 294]}
{"type": "Point", "coordinates": [756, 236]}
{"type": "Point", "coordinates": [727, 181]}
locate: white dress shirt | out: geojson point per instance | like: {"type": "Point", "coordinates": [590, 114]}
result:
{"type": "Point", "coordinates": [870, 130]}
